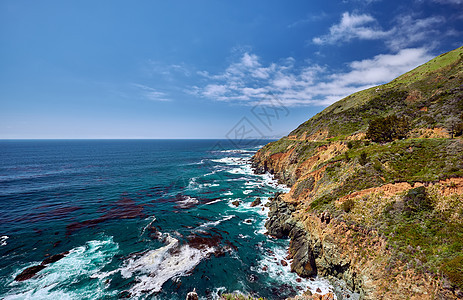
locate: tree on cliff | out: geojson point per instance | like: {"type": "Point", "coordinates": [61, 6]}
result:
{"type": "Point", "coordinates": [387, 129]}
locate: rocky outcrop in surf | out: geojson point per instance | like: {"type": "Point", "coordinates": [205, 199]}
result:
{"type": "Point", "coordinates": [30, 272]}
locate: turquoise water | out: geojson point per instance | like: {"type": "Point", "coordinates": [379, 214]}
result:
{"type": "Point", "coordinates": [147, 219]}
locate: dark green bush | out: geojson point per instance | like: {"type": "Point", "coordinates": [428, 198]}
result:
{"type": "Point", "coordinates": [363, 159]}
{"type": "Point", "coordinates": [305, 185]}
{"type": "Point", "coordinates": [347, 205]}
{"type": "Point", "coordinates": [416, 200]}
{"type": "Point", "coordinates": [453, 269]}
{"type": "Point", "coordinates": [346, 156]}
{"type": "Point", "coordinates": [387, 129]}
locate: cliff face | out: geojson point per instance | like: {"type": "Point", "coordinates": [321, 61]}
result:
{"type": "Point", "coordinates": [386, 217]}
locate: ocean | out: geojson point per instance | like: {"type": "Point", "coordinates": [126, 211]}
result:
{"type": "Point", "coordinates": [140, 219]}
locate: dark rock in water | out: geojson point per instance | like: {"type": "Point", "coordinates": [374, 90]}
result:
{"type": "Point", "coordinates": [192, 295]}
{"type": "Point", "coordinates": [318, 290]}
{"type": "Point", "coordinates": [29, 273]}
{"type": "Point", "coordinates": [253, 278]}
{"type": "Point", "coordinates": [282, 225]}
{"type": "Point", "coordinates": [236, 203]}
{"type": "Point", "coordinates": [125, 295]}
{"type": "Point", "coordinates": [284, 263]}
{"type": "Point", "coordinates": [256, 202]}
{"type": "Point", "coordinates": [303, 258]}
{"type": "Point", "coordinates": [280, 221]}
{"type": "Point", "coordinates": [54, 258]}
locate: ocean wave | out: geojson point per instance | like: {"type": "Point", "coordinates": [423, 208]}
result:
{"type": "Point", "coordinates": [237, 151]}
{"type": "Point", "coordinates": [55, 281]}
{"type": "Point", "coordinates": [215, 223]}
{"type": "Point", "coordinates": [212, 202]}
{"type": "Point", "coordinates": [187, 202]}
{"type": "Point", "coordinates": [3, 240]}
{"type": "Point", "coordinates": [272, 264]}
{"type": "Point", "coordinates": [155, 267]}
{"type": "Point", "coordinates": [231, 160]}
{"type": "Point", "coordinates": [244, 170]}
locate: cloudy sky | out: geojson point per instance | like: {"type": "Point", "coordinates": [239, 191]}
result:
{"type": "Point", "coordinates": [203, 69]}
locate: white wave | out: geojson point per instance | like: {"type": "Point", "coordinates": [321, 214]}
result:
{"type": "Point", "coordinates": [247, 192]}
{"type": "Point", "coordinates": [212, 202]}
{"type": "Point", "coordinates": [271, 264]}
{"type": "Point", "coordinates": [193, 185]}
{"type": "Point", "coordinates": [215, 223]}
{"type": "Point", "coordinates": [248, 221]}
{"type": "Point", "coordinates": [155, 267]}
{"type": "Point", "coordinates": [231, 160]}
{"type": "Point", "coordinates": [3, 240]}
{"type": "Point", "coordinates": [270, 181]}
{"type": "Point", "coordinates": [187, 202]}
{"type": "Point", "coordinates": [229, 193]}
{"type": "Point", "coordinates": [243, 170]}
{"type": "Point", "coordinates": [196, 163]}
{"type": "Point", "coordinates": [238, 151]}
{"type": "Point", "coordinates": [147, 226]}
{"type": "Point", "coordinates": [80, 264]}
{"type": "Point", "coordinates": [253, 183]}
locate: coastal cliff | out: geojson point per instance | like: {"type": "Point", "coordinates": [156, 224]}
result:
{"type": "Point", "coordinates": [376, 183]}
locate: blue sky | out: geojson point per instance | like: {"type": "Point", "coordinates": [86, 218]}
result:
{"type": "Point", "coordinates": [203, 69]}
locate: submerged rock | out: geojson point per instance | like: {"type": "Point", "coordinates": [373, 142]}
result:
{"type": "Point", "coordinates": [256, 202]}
{"type": "Point", "coordinates": [29, 272]}
{"type": "Point", "coordinates": [192, 295]}
{"type": "Point", "coordinates": [54, 258]}
{"type": "Point", "coordinates": [281, 225]}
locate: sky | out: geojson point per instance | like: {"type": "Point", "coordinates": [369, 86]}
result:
{"type": "Point", "coordinates": [203, 69]}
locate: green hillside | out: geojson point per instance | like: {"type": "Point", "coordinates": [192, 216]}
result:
{"type": "Point", "coordinates": [429, 95]}
{"type": "Point", "coordinates": [388, 159]}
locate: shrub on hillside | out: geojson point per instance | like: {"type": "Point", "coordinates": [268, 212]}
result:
{"type": "Point", "coordinates": [416, 200]}
{"type": "Point", "coordinates": [304, 185]}
{"type": "Point", "coordinates": [387, 129]}
{"type": "Point", "coordinates": [363, 159]}
{"type": "Point", "coordinates": [347, 205]}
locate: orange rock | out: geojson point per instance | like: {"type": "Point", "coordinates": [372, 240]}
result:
{"type": "Point", "coordinates": [328, 296]}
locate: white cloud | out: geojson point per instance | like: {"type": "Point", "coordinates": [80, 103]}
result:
{"type": "Point", "coordinates": [150, 93]}
{"type": "Point", "coordinates": [449, 1]}
{"type": "Point", "coordinates": [306, 85]}
{"type": "Point", "coordinates": [309, 19]}
{"type": "Point", "coordinates": [407, 31]}
{"type": "Point", "coordinates": [352, 26]}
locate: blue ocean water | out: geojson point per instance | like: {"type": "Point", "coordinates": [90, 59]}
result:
{"type": "Point", "coordinates": [146, 219]}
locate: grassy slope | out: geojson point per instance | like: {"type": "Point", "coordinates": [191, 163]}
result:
{"type": "Point", "coordinates": [440, 75]}
{"type": "Point", "coordinates": [429, 238]}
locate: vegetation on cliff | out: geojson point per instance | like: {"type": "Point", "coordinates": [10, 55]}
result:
{"type": "Point", "coordinates": [389, 160]}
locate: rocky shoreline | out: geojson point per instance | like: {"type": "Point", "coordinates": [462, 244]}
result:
{"type": "Point", "coordinates": [305, 249]}
{"type": "Point", "coordinates": [349, 254]}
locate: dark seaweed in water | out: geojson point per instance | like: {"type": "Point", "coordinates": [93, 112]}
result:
{"type": "Point", "coordinates": [125, 208]}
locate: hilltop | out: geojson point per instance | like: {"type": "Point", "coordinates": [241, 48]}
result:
{"type": "Point", "coordinates": [377, 186]}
